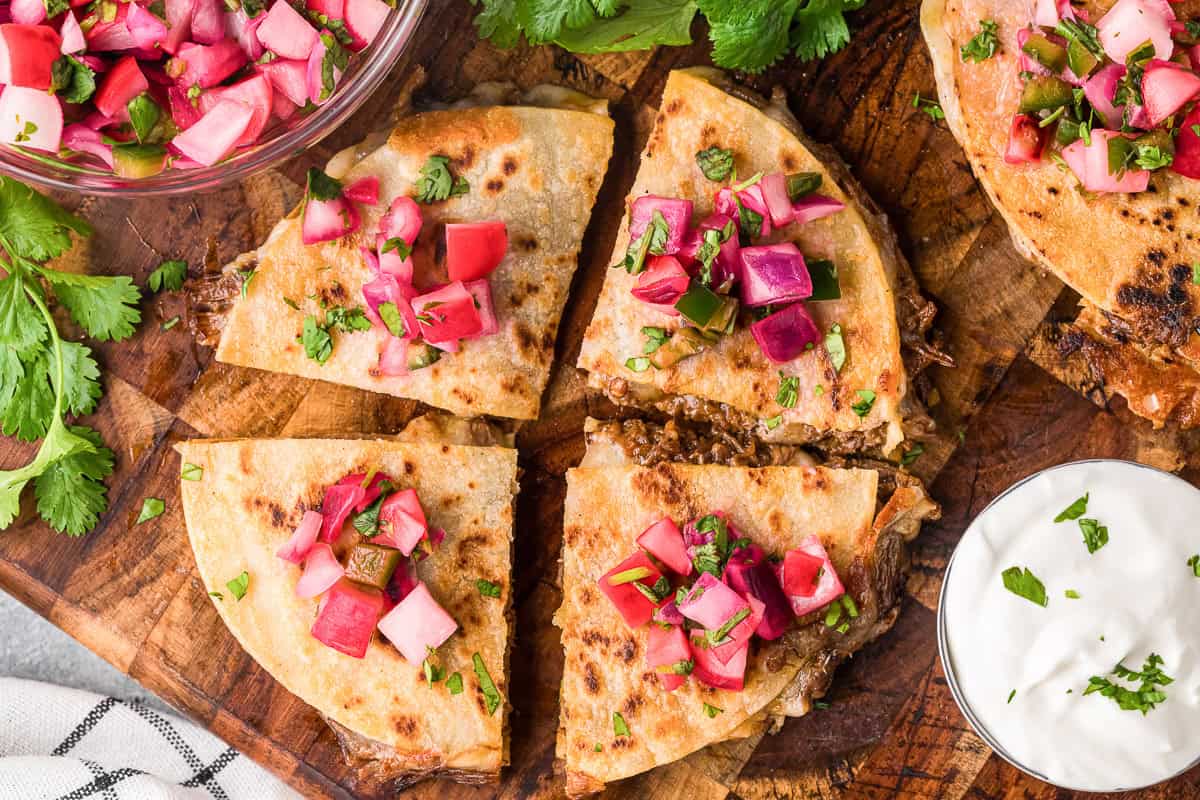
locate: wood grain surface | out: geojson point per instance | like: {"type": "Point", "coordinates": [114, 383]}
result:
{"type": "Point", "coordinates": [131, 592]}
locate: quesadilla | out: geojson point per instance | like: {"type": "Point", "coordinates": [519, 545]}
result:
{"type": "Point", "coordinates": [372, 579]}
{"type": "Point", "coordinates": [1080, 121]}
{"type": "Point", "coordinates": [754, 284]}
{"type": "Point", "coordinates": [433, 266]}
{"type": "Point", "coordinates": [704, 603]}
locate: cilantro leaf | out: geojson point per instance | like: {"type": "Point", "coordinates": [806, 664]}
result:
{"type": "Point", "coordinates": [238, 586]}
{"type": "Point", "coordinates": [984, 44]}
{"type": "Point", "coordinates": [640, 25]}
{"type": "Point", "coordinates": [81, 378]}
{"type": "Point", "coordinates": [437, 183]}
{"type": "Point", "coordinates": [820, 27]}
{"type": "Point", "coordinates": [21, 328]}
{"type": "Point", "coordinates": [1095, 535]}
{"type": "Point", "coordinates": [1024, 584]}
{"type": "Point", "coordinates": [715, 162]}
{"type": "Point", "coordinates": [71, 494]}
{"type": "Point", "coordinates": [33, 226]}
{"type": "Point", "coordinates": [72, 80]}
{"type": "Point", "coordinates": [30, 410]}
{"type": "Point", "coordinates": [1074, 511]}
{"type": "Point", "coordinates": [318, 344]}
{"type": "Point", "coordinates": [866, 400]}
{"type": "Point", "coordinates": [169, 275]}
{"type": "Point", "coordinates": [104, 306]}
{"type": "Point", "coordinates": [347, 320]}
{"type": "Point", "coordinates": [789, 390]}
{"type": "Point", "coordinates": [752, 41]}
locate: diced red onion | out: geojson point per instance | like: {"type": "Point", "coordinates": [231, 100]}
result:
{"type": "Point", "coordinates": [216, 133]}
{"type": "Point", "coordinates": [255, 92]}
{"type": "Point", "coordinates": [82, 139]}
{"type": "Point", "coordinates": [72, 35]}
{"type": "Point", "coordinates": [27, 12]}
{"type": "Point", "coordinates": [741, 634]}
{"type": "Point", "coordinates": [753, 200]}
{"type": "Point", "coordinates": [208, 21]}
{"type": "Point", "coordinates": [339, 501]}
{"type": "Point", "coordinates": [393, 353]}
{"type": "Point", "coordinates": [453, 316]}
{"type": "Point", "coordinates": [1101, 92]}
{"type": "Point", "coordinates": [786, 334]}
{"type": "Point", "coordinates": [481, 290]}
{"type": "Point", "coordinates": [1130, 23]}
{"type": "Point", "coordinates": [779, 203]}
{"type": "Point", "coordinates": [816, 206]}
{"type": "Point", "coordinates": [774, 274]}
{"type": "Point", "coordinates": [289, 78]}
{"type": "Point", "coordinates": [364, 19]}
{"type": "Point", "coordinates": [668, 612]}
{"type": "Point", "coordinates": [709, 670]}
{"type": "Point", "coordinates": [829, 586]}
{"type": "Point", "coordinates": [324, 220]}
{"type": "Point", "coordinates": [386, 288]}
{"type": "Point", "coordinates": [751, 575]}
{"type": "Point", "coordinates": [665, 648]}
{"type": "Point", "coordinates": [662, 283]}
{"type": "Point", "coordinates": [207, 65]}
{"type": "Point", "coordinates": [364, 190]}
{"type": "Point", "coordinates": [244, 30]}
{"type": "Point", "coordinates": [1090, 165]}
{"type": "Point", "coordinates": [147, 30]}
{"type": "Point", "coordinates": [402, 521]}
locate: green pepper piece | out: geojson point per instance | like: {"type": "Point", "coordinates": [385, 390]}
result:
{"type": "Point", "coordinates": [698, 304]}
{"type": "Point", "coordinates": [138, 160]}
{"type": "Point", "coordinates": [1160, 139]}
{"type": "Point", "coordinates": [372, 564]}
{"type": "Point", "coordinates": [1120, 153]}
{"type": "Point", "coordinates": [1045, 93]}
{"type": "Point", "coordinates": [422, 355]}
{"type": "Point", "coordinates": [683, 343]}
{"type": "Point", "coordinates": [824, 280]}
{"type": "Point", "coordinates": [1050, 55]}
{"type": "Point", "coordinates": [802, 183]}
{"type": "Point", "coordinates": [1081, 60]}
{"type": "Point", "coordinates": [722, 320]}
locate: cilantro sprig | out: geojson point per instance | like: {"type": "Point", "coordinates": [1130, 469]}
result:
{"type": "Point", "coordinates": [1149, 692]}
{"type": "Point", "coordinates": [44, 378]}
{"type": "Point", "coordinates": [745, 36]}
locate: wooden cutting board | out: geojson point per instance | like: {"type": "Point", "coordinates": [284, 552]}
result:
{"type": "Point", "coordinates": [131, 592]}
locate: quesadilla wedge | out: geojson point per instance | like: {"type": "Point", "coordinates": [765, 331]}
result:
{"type": "Point", "coordinates": [435, 265]}
{"type": "Point", "coordinates": [1080, 121]}
{"type": "Point", "coordinates": [755, 285]}
{"type": "Point", "coordinates": [704, 603]}
{"type": "Point", "coordinates": [372, 579]}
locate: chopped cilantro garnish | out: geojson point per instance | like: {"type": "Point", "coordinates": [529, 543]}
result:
{"type": "Point", "coordinates": [170, 323]}
{"type": "Point", "coordinates": [1194, 563]}
{"type": "Point", "coordinates": [433, 673]}
{"type": "Point", "coordinates": [836, 346]}
{"type": "Point", "coordinates": [912, 454]}
{"type": "Point", "coordinates": [491, 695]}
{"type": "Point", "coordinates": [655, 338]}
{"type": "Point", "coordinates": [637, 364]}
{"type": "Point", "coordinates": [789, 391]}
{"type": "Point", "coordinates": [1011, 695]}
{"type": "Point", "coordinates": [1196, 268]}
{"type": "Point", "coordinates": [718, 637]}
{"type": "Point", "coordinates": [398, 245]}
{"type": "Point", "coordinates": [454, 684]}
{"type": "Point", "coordinates": [151, 508]}
{"type": "Point", "coordinates": [620, 727]}
{"type": "Point", "coordinates": [247, 275]}
{"type": "Point", "coordinates": [318, 344]}
{"type": "Point", "coordinates": [1024, 583]}
{"type": "Point", "coordinates": [866, 400]}
{"type": "Point", "coordinates": [1149, 692]}
{"type": "Point", "coordinates": [169, 275]}
{"type": "Point", "coordinates": [1071, 594]}
{"type": "Point", "coordinates": [773, 422]}
{"type": "Point", "coordinates": [984, 44]}
{"type": "Point", "coordinates": [1095, 535]}
{"type": "Point", "coordinates": [321, 186]}
{"type": "Point", "coordinates": [930, 107]}
{"type": "Point", "coordinates": [1074, 511]}
{"type": "Point", "coordinates": [390, 314]}
{"type": "Point", "coordinates": [711, 711]}
{"type": "Point", "coordinates": [191, 472]}
{"type": "Point", "coordinates": [487, 588]}
{"type": "Point", "coordinates": [238, 586]}
{"type": "Point", "coordinates": [437, 183]}
{"type": "Point", "coordinates": [715, 162]}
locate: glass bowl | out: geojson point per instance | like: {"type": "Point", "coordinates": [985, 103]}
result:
{"type": "Point", "coordinates": [366, 71]}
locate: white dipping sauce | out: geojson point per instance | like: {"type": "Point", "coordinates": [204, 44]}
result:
{"type": "Point", "coordinates": [1137, 595]}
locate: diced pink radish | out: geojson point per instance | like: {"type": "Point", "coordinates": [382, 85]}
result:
{"type": "Point", "coordinates": [633, 606]}
{"type": "Point", "coordinates": [289, 79]}
{"type": "Point", "coordinates": [333, 9]}
{"type": "Point", "coordinates": [364, 19]}
{"type": "Point", "coordinates": [82, 139]}
{"type": "Point", "coordinates": [111, 36]}
{"type": "Point", "coordinates": [802, 571]}
{"type": "Point", "coordinates": [371, 490]}
{"type": "Point", "coordinates": [403, 220]}
{"type": "Point", "coordinates": [750, 575]}
{"type": "Point", "coordinates": [208, 21]}
{"type": "Point", "coordinates": [1026, 140]}
{"type": "Point", "coordinates": [666, 648]}
{"type": "Point", "coordinates": [347, 616]}
{"type": "Point", "coordinates": [1101, 92]}
{"type": "Point", "coordinates": [668, 613]}
{"type": "Point", "coordinates": [474, 249]}
{"type": "Point", "coordinates": [321, 570]}
{"type": "Point", "coordinates": [207, 65]}
{"type": "Point", "coordinates": [255, 92]}
{"type": "Point", "coordinates": [711, 603]}
{"type": "Point", "coordinates": [1194, 57]}
{"type": "Point", "coordinates": [281, 107]}
{"type": "Point", "coordinates": [148, 31]}
{"type": "Point", "coordinates": [1130, 23]}
{"type": "Point", "coordinates": [728, 264]}
{"type": "Point", "coordinates": [1090, 165]}
{"type": "Point", "coordinates": [297, 547]}
{"type": "Point", "coordinates": [739, 636]}
{"type": "Point", "coordinates": [287, 34]}
{"type": "Point", "coordinates": [364, 190]}
{"type": "Point", "coordinates": [1166, 88]}
{"type": "Point", "coordinates": [447, 314]}
{"type": "Point", "coordinates": [183, 113]}
{"type": "Point", "coordinates": [664, 541]}
{"type": "Point", "coordinates": [1187, 146]}
{"type": "Point", "coordinates": [786, 334]}
{"type": "Point", "coordinates": [1027, 62]}
{"type": "Point", "coordinates": [327, 220]}
{"type": "Point", "coordinates": [1046, 13]}
{"type": "Point", "coordinates": [417, 624]}
{"type": "Point", "coordinates": [30, 118]}
{"type": "Point", "coordinates": [27, 12]}
{"type": "Point", "coordinates": [27, 53]}
{"type": "Point", "coordinates": [72, 35]}
{"type": "Point", "coordinates": [385, 288]}
{"type": "Point", "coordinates": [402, 522]}
{"type": "Point", "coordinates": [340, 499]}
{"type": "Point", "coordinates": [676, 213]}
{"type": "Point", "coordinates": [662, 283]}
{"type": "Point", "coordinates": [393, 353]}
{"type": "Point", "coordinates": [774, 191]}
{"type": "Point", "coordinates": [403, 581]}
{"type": "Point", "coordinates": [244, 30]}
{"type": "Point", "coordinates": [829, 586]}
{"type": "Point", "coordinates": [216, 133]}
{"type": "Point", "coordinates": [816, 206]}
{"type": "Point", "coordinates": [710, 671]}
{"type": "Point", "coordinates": [481, 290]}
{"type": "Point", "coordinates": [314, 76]}
{"type": "Point", "coordinates": [179, 24]}
{"type": "Point", "coordinates": [752, 199]}
{"type": "Point", "coordinates": [774, 274]}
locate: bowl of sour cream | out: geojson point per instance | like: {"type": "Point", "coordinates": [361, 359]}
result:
{"type": "Point", "coordinates": [1069, 625]}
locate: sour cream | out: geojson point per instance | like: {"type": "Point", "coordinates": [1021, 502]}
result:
{"type": "Point", "coordinates": [1019, 670]}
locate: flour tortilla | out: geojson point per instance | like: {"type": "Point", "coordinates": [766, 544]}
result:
{"type": "Point", "coordinates": [246, 504]}
{"type": "Point", "coordinates": [697, 113]}
{"type": "Point", "coordinates": [537, 169]}
{"type": "Point", "coordinates": [605, 672]}
{"type": "Point", "coordinates": [1127, 254]}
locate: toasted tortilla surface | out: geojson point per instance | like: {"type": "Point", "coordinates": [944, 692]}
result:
{"type": "Point", "coordinates": [536, 169]}
{"type": "Point", "coordinates": [248, 501]}
{"type": "Point", "coordinates": [695, 114]}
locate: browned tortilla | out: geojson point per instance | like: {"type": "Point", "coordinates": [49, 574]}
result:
{"type": "Point", "coordinates": [249, 499]}
{"type": "Point", "coordinates": [1127, 254]}
{"type": "Point", "coordinates": [537, 169]}
{"type": "Point", "coordinates": [695, 114]}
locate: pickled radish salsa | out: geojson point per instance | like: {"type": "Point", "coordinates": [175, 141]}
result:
{"type": "Point", "coordinates": [359, 555]}
{"type": "Point", "coordinates": [1110, 99]}
{"type": "Point", "coordinates": [413, 327]}
{"type": "Point", "coordinates": [707, 591]}
{"type": "Point", "coordinates": [711, 274]}
{"type": "Point", "coordinates": [140, 87]}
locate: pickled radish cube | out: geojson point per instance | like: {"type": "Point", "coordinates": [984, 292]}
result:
{"type": "Point", "coordinates": [481, 290]}
{"type": "Point", "coordinates": [287, 34]}
{"type": "Point", "coordinates": [664, 541]}
{"type": "Point", "coordinates": [447, 314]}
{"type": "Point", "coordinates": [30, 118]}
{"type": "Point", "coordinates": [739, 636]}
{"type": "Point", "coordinates": [667, 653]}
{"type": "Point", "coordinates": [321, 570]}
{"type": "Point", "coordinates": [27, 12]}
{"type": "Point", "coordinates": [207, 65]}
{"type": "Point", "coordinates": [289, 78]}
{"type": "Point", "coordinates": [802, 571]}
{"type": "Point", "coordinates": [633, 606]}
{"type": "Point", "coordinates": [402, 522]}
{"type": "Point", "coordinates": [208, 21]}
{"type": "Point", "coordinates": [1187, 146]}
{"type": "Point", "coordinates": [27, 53]}
{"type": "Point", "coordinates": [340, 499]}
{"type": "Point", "coordinates": [711, 603]}
{"type": "Point", "coordinates": [417, 625]}
{"type": "Point", "coordinates": [676, 213]}
{"type": "Point", "coordinates": [303, 539]}
{"type": "Point", "coordinates": [711, 671]}
{"type": "Point", "coordinates": [334, 9]}
{"type": "Point", "coordinates": [72, 35]}
{"type": "Point", "coordinates": [403, 220]}
{"type": "Point", "coordinates": [121, 84]}
{"type": "Point", "coordinates": [147, 30]}
{"type": "Point", "coordinates": [1130, 23]}
{"type": "Point", "coordinates": [347, 617]}
{"type": "Point", "coordinates": [829, 586]}
{"type": "Point", "coordinates": [393, 354]}
{"type": "Point", "coordinates": [1166, 88]}
{"type": "Point", "coordinates": [216, 133]}
{"type": "Point", "coordinates": [474, 249]}
{"type": "Point", "coordinates": [255, 92]}
{"type": "Point", "coordinates": [364, 19]}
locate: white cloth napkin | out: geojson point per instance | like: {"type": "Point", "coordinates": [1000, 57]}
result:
{"type": "Point", "coordinates": [65, 744]}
